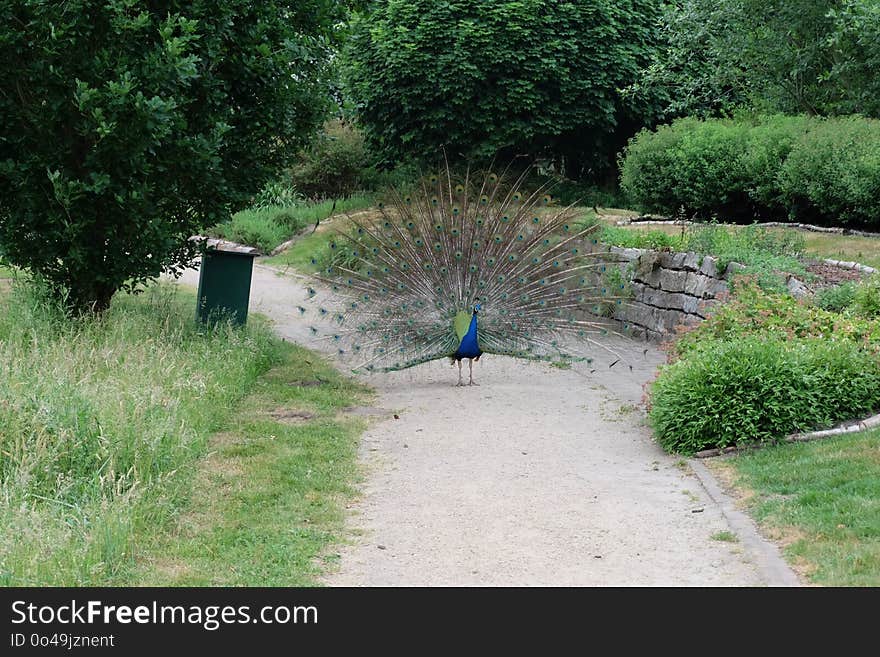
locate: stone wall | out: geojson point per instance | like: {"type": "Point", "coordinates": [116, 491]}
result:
{"type": "Point", "coordinates": [669, 289]}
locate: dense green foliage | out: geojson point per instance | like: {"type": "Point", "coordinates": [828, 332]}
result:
{"type": "Point", "coordinates": [100, 423]}
{"type": "Point", "coordinates": [794, 56]}
{"type": "Point", "coordinates": [334, 165]}
{"type": "Point", "coordinates": [860, 299]}
{"type": "Point", "coordinates": [837, 297]}
{"type": "Point", "coordinates": [127, 128]}
{"type": "Point", "coordinates": [518, 76]}
{"type": "Point", "coordinates": [814, 170]}
{"type": "Point", "coordinates": [757, 389]}
{"type": "Point", "coordinates": [866, 298]}
{"type": "Point", "coordinates": [764, 366]}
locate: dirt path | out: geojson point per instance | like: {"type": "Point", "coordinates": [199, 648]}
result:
{"type": "Point", "coordinates": [539, 476]}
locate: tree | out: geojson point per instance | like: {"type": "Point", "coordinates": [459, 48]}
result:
{"type": "Point", "coordinates": [129, 126]}
{"type": "Point", "coordinates": [795, 56]}
{"type": "Point", "coordinates": [533, 76]}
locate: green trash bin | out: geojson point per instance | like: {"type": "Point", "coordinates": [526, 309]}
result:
{"type": "Point", "coordinates": [225, 282]}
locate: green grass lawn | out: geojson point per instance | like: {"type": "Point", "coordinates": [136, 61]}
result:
{"type": "Point", "coordinates": [114, 431]}
{"type": "Point", "coordinates": [865, 250]}
{"type": "Point", "coordinates": [268, 498]}
{"type": "Point", "coordinates": [820, 500]}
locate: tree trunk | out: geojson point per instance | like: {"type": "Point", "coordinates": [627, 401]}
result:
{"type": "Point", "coordinates": [89, 297]}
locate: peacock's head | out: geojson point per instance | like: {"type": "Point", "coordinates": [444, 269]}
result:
{"type": "Point", "coordinates": [477, 307]}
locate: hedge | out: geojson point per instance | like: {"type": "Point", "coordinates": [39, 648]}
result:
{"type": "Point", "coordinates": [818, 170]}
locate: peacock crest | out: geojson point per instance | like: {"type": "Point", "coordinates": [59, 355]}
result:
{"type": "Point", "coordinates": [464, 265]}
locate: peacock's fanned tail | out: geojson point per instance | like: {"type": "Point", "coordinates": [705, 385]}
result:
{"type": "Point", "coordinates": [396, 283]}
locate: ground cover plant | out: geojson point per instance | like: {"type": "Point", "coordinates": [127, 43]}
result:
{"type": "Point", "coordinates": [763, 366]}
{"type": "Point", "coordinates": [101, 422]}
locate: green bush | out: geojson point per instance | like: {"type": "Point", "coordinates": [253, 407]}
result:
{"type": "Point", "coordinates": [754, 389]}
{"type": "Point", "coordinates": [335, 165]}
{"type": "Point", "coordinates": [769, 143]}
{"type": "Point", "coordinates": [866, 298]}
{"type": "Point", "coordinates": [803, 168]}
{"type": "Point", "coordinates": [833, 174]}
{"type": "Point", "coordinates": [837, 297]}
{"type": "Point", "coordinates": [277, 194]}
{"type": "Point", "coordinates": [690, 165]}
{"type": "Point", "coordinates": [763, 366]}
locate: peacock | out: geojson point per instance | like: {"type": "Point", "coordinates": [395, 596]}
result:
{"type": "Point", "coordinates": [465, 265]}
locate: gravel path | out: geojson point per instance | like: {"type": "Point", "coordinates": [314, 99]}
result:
{"type": "Point", "coordinates": [539, 476]}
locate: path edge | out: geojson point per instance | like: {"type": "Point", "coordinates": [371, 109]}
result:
{"type": "Point", "coordinates": [774, 570]}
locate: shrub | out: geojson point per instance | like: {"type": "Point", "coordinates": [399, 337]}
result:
{"type": "Point", "coordinates": [762, 366]}
{"type": "Point", "coordinates": [754, 389]}
{"type": "Point", "coordinates": [804, 168]}
{"type": "Point", "coordinates": [836, 298]}
{"type": "Point", "coordinates": [334, 165]}
{"type": "Point", "coordinates": [834, 173]}
{"type": "Point", "coordinates": [769, 143]}
{"type": "Point", "coordinates": [866, 298]}
{"type": "Point", "coordinates": [690, 165]}
{"type": "Point", "coordinates": [277, 194]}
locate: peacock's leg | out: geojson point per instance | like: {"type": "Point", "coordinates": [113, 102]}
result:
{"type": "Point", "coordinates": [471, 370]}
{"type": "Point", "coordinates": [459, 374]}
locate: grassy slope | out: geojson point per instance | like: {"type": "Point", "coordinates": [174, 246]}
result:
{"type": "Point", "coordinates": [266, 228]}
{"type": "Point", "coordinates": [103, 426]}
{"type": "Point", "coordinates": [821, 501]}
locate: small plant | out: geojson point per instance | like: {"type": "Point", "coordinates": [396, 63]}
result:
{"type": "Point", "coordinates": [279, 195]}
{"type": "Point", "coordinates": [837, 297]}
{"type": "Point", "coordinates": [725, 536]}
{"type": "Point", "coordinates": [866, 298]}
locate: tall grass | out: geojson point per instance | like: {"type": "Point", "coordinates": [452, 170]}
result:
{"type": "Point", "coordinates": [266, 227]}
{"type": "Point", "coordinates": [100, 421]}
